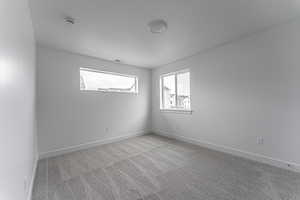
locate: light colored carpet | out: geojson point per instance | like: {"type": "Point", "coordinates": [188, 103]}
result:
{"type": "Point", "coordinates": [156, 168]}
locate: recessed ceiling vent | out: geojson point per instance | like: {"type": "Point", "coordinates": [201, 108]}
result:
{"type": "Point", "coordinates": [158, 26]}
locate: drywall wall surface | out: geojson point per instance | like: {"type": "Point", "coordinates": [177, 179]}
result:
{"type": "Point", "coordinates": [242, 93]}
{"type": "Point", "coordinates": [17, 100]}
{"type": "Point", "coordinates": [68, 117]}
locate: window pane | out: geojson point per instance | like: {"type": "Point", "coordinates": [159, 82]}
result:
{"type": "Point", "coordinates": [105, 81]}
{"type": "Point", "coordinates": [183, 90]}
{"type": "Point", "coordinates": [169, 92]}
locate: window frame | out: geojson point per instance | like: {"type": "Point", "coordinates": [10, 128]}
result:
{"type": "Point", "coordinates": [177, 109]}
{"type": "Point", "coordinates": [136, 79]}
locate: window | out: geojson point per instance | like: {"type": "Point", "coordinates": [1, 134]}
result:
{"type": "Point", "coordinates": [94, 80]}
{"type": "Point", "coordinates": [175, 91]}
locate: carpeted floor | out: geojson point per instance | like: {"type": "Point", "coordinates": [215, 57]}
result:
{"type": "Point", "coordinates": [156, 168]}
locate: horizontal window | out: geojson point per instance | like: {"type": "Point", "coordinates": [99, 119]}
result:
{"type": "Point", "coordinates": [94, 80]}
{"type": "Point", "coordinates": [175, 91]}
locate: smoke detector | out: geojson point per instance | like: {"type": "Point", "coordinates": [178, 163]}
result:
{"type": "Point", "coordinates": [69, 20]}
{"type": "Point", "coordinates": [157, 26]}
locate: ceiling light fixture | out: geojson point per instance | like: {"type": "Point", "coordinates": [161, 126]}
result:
{"type": "Point", "coordinates": [69, 20]}
{"type": "Point", "coordinates": [158, 26]}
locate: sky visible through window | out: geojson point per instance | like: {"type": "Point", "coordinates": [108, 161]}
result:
{"type": "Point", "coordinates": [169, 91]}
{"type": "Point", "coordinates": [183, 84]}
{"type": "Point", "coordinates": [93, 80]}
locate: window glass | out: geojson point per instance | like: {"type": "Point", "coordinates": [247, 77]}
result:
{"type": "Point", "coordinates": [175, 91]}
{"type": "Point", "coordinates": [169, 91]}
{"type": "Point", "coordinates": [183, 90]}
{"type": "Point", "coordinates": [107, 81]}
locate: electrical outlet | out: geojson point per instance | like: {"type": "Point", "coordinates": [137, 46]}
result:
{"type": "Point", "coordinates": [106, 129]}
{"type": "Point", "coordinates": [260, 140]}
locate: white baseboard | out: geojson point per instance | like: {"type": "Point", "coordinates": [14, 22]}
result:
{"type": "Point", "coordinates": [87, 145]}
{"type": "Point", "coordinates": [236, 152]}
{"type": "Point", "coordinates": [30, 188]}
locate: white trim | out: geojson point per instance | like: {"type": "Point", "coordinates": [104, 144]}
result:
{"type": "Point", "coordinates": [176, 91]}
{"type": "Point", "coordinates": [236, 152]}
{"type": "Point", "coordinates": [176, 72]}
{"type": "Point", "coordinates": [109, 91]}
{"type": "Point", "coordinates": [30, 188]}
{"type": "Point", "coordinates": [106, 72]}
{"type": "Point", "coordinates": [87, 145]}
{"type": "Point", "coordinates": [178, 111]}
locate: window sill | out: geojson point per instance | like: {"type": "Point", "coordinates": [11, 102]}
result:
{"type": "Point", "coordinates": [109, 91]}
{"type": "Point", "coordinates": [178, 111]}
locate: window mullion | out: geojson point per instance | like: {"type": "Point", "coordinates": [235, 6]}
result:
{"type": "Point", "coordinates": [135, 85]}
{"type": "Point", "coordinates": [162, 93]}
{"type": "Point", "coordinates": [176, 90]}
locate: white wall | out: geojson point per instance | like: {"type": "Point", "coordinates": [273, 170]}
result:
{"type": "Point", "coordinates": [17, 97]}
{"type": "Point", "coordinates": [241, 91]}
{"type": "Point", "coordinates": [68, 117]}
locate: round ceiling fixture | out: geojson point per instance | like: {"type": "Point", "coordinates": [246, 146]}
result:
{"type": "Point", "coordinates": [69, 20]}
{"type": "Point", "coordinates": [158, 26]}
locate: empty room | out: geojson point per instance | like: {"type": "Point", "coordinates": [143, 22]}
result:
{"type": "Point", "coordinates": [150, 100]}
